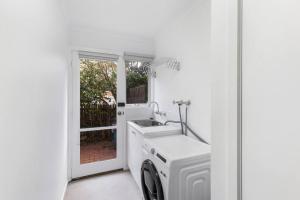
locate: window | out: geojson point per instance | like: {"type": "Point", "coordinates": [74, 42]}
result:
{"type": "Point", "coordinates": [137, 81]}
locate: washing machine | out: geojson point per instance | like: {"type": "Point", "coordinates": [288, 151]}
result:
{"type": "Point", "coordinates": [135, 141]}
{"type": "Point", "coordinates": [175, 168]}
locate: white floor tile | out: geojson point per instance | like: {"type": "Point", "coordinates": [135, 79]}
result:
{"type": "Point", "coordinates": [114, 186]}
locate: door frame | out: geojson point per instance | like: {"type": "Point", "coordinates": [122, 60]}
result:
{"type": "Point", "coordinates": [73, 104]}
{"type": "Point", "coordinates": [239, 100]}
{"type": "Point", "coordinates": [226, 60]}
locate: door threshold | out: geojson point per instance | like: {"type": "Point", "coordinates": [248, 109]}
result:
{"type": "Point", "coordinates": [95, 175]}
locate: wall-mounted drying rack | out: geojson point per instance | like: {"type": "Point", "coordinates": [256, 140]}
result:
{"type": "Point", "coordinates": [171, 63]}
{"type": "Point", "coordinates": [150, 65]}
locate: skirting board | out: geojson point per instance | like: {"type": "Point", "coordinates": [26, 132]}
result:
{"type": "Point", "coordinates": [65, 190]}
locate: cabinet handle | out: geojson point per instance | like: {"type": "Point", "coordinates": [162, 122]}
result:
{"type": "Point", "coordinates": [134, 133]}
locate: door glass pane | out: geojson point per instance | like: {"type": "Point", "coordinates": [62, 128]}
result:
{"type": "Point", "coordinates": [98, 93]}
{"type": "Point", "coordinates": [97, 145]}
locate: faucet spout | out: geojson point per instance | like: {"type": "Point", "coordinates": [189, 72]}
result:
{"type": "Point", "coordinates": [155, 103]}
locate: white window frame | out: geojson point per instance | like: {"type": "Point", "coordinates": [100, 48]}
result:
{"type": "Point", "coordinates": [142, 58]}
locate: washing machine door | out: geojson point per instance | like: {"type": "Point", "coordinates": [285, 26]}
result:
{"type": "Point", "coordinates": [151, 184]}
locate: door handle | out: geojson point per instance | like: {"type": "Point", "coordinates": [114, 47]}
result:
{"type": "Point", "coordinates": [121, 104]}
{"type": "Point", "coordinates": [120, 112]}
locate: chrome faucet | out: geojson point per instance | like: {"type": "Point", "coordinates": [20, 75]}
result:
{"type": "Point", "coordinates": [157, 112]}
{"type": "Point", "coordinates": [154, 102]}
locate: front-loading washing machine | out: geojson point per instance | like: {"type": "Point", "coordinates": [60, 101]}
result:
{"type": "Point", "coordinates": [135, 140]}
{"type": "Point", "coordinates": [175, 168]}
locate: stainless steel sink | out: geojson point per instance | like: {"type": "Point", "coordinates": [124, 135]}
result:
{"type": "Point", "coordinates": [147, 123]}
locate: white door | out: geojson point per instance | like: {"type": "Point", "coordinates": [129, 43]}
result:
{"type": "Point", "coordinates": [98, 123]}
{"type": "Point", "coordinates": [271, 100]}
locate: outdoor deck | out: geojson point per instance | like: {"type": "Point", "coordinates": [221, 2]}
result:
{"type": "Point", "coordinates": [97, 151]}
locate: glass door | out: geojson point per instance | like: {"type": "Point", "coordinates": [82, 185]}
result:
{"type": "Point", "coordinates": [98, 143]}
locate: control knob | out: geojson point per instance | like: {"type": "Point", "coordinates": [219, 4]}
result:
{"type": "Point", "coordinates": [152, 151]}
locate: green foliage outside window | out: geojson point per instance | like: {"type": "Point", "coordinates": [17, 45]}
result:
{"type": "Point", "coordinates": [137, 81]}
{"type": "Point", "coordinates": [97, 79]}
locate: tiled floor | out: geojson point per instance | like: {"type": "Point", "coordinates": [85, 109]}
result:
{"type": "Point", "coordinates": [114, 186]}
{"type": "Point", "coordinates": [101, 150]}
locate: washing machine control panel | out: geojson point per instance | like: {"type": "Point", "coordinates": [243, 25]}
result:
{"type": "Point", "coordinates": [161, 157]}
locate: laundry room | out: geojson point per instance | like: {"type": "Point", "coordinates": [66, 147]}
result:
{"type": "Point", "coordinates": [149, 100]}
{"type": "Point", "coordinates": [164, 65]}
{"type": "Point", "coordinates": [137, 99]}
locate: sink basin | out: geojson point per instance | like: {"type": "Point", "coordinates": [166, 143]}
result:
{"type": "Point", "coordinates": [147, 123]}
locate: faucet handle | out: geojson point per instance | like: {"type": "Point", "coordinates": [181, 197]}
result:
{"type": "Point", "coordinates": [180, 102]}
{"type": "Point", "coordinates": [177, 102]}
{"type": "Point", "coordinates": [161, 113]}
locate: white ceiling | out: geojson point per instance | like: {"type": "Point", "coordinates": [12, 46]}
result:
{"type": "Point", "coordinates": [135, 17]}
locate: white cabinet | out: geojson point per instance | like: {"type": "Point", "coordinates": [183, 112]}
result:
{"type": "Point", "coordinates": [134, 146]}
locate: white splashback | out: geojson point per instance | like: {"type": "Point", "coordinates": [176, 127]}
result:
{"type": "Point", "coordinates": [138, 112]}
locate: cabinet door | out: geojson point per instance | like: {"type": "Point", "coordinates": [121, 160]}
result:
{"type": "Point", "coordinates": [139, 157]}
{"type": "Point", "coordinates": [133, 154]}
{"type": "Point", "coordinates": [131, 147]}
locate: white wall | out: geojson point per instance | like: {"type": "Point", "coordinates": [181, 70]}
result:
{"type": "Point", "coordinates": [271, 109]}
{"type": "Point", "coordinates": [187, 38]}
{"type": "Point", "coordinates": [33, 103]}
{"type": "Point", "coordinates": [97, 39]}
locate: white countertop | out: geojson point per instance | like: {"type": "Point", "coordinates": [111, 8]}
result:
{"type": "Point", "coordinates": [178, 147]}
